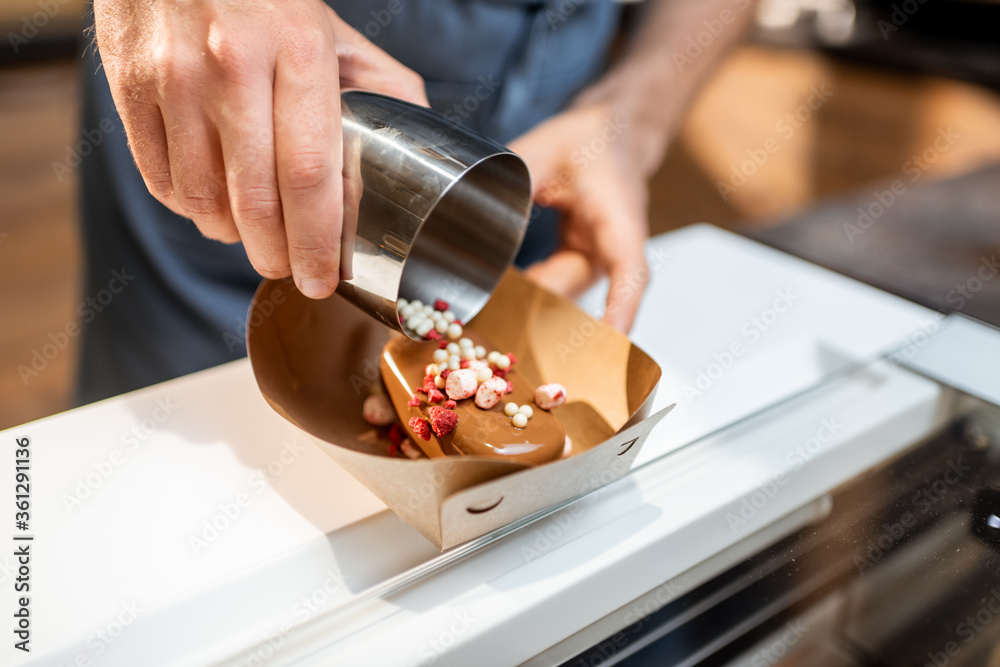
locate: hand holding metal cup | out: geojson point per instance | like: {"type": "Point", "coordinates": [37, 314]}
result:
{"type": "Point", "coordinates": [441, 211]}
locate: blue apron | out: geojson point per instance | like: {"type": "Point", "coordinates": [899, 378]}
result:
{"type": "Point", "coordinates": [498, 66]}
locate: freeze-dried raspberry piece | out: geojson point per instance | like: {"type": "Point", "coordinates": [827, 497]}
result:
{"type": "Point", "coordinates": [450, 404]}
{"type": "Point", "coordinates": [464, 363]}
{"type": "Point", "coordinates": [442, 421]}
{"type": "Point", "coordinates": [489, 393]}
{"type": "Point", "coordinates": [510, 387]}
{"type": "Point", "coordinates": [377, 410]}
{"type": "Point", "coordinates": [435, 396]}
{"type": "Point", "coordinates": [442, 344]}
{"type": "Point", "coordinates": [549, 396]}
{"type": "Point", "coordinates": [409, 450]}
{"type": "Point", "coordinates": [461, 384]}
{"type": "Point", "coordinates": [396, 434]}
{"type": "Point", "coordinates": [513, 359]}
{"type": "Point", "coordinates": [440, 304]}
{"type": "Point", "coordinates": [414, 402]}
{"type": "Point", "coordinates": [420, 427]}
{"type": "Point", "coordinates": [500, 372]}
{"type": "Point", "coordinates": [445, 373]}
{"type": "Point", "coordinates": [432, 335]}
{"type": "Point", "coordinates": [393, 449]}
{"type": "Point", "coordinates": [428, 386]}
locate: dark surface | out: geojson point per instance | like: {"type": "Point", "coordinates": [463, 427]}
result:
{"type": "Point", "coordinates": [934, 241]}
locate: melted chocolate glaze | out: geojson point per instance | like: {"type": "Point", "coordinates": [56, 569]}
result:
{"type": "Point", "coordinates": [479, 432]}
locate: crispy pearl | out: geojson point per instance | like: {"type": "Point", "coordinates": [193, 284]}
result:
{"type": "Point", "coordinates": [510, 409]}
{"type": "Point", "coordinates": [520, 421]}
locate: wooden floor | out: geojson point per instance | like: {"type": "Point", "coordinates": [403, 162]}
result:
{"type": "Point", "coordinates": [865, 129]}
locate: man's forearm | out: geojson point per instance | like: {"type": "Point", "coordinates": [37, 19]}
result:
{"type": "Point", "coordinates": [673, 48]}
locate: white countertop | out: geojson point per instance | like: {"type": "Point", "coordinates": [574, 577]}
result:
{"type": "Point", "coordinates": [123, 491]}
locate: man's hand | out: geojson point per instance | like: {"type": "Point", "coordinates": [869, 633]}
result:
{"type": "Point", "coordinates": [232, 111]}
{"type": "Point", "coordinates": [579, 165]}
{"type": "Point", "coordinates": [593, 161]}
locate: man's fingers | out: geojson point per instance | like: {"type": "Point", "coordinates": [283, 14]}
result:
{"type": "Point", "coordinates": [566, 272]}
{"type": "Point", "coordinates": [364, 65]}
{"type": "Point", "coordinates": [627, 284]}
{"type": "Point", "coordinates": [621, 239]}
{"type": "Point", "coordinates": [247, 134]}
{"type": "Point", "coordinates": [197, 172]}
{"type": "Point", "coordinates": [147, 139]}
{"type": "Point", "coordinates": [309, 161]}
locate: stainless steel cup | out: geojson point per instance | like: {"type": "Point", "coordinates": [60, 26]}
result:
{"type": "Point", "coordinates": [441, 210]}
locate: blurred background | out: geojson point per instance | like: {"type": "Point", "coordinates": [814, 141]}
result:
{"type": "Point", "coordinates": [803, 130]}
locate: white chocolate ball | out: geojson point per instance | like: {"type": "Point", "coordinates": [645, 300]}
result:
{"type": "Point", "coordinates": [440, 355]}
{"type": "Point", "coordinates": [492, 357]}
{"type": "Point", "coordinates": [510, 409]}
{"type": "Point", "coordinates": [526, 411]}
{"type": "Point", "coordinates": [483, 374]}
{"type": "Point", "coordinates": [480, 351]}
{"type": "Point", "coordinates": [450, 316]}
{"type": "Point", "coordinates": [454, 331]}
{"type": "Point", "coordinates": [520, 421]}
{"type": "Point", "coordinates": [439, 382]}
{"type": "Point", "coordinates": [502, 362]}
{"type": "Point", "coordinates": [453, 348]}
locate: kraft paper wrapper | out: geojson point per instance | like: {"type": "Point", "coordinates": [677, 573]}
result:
{"type": "Point", "coordinates": [315, 362]}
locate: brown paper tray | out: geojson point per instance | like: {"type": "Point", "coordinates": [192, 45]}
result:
{"type": "Point", "coordinates": [315, 362]}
